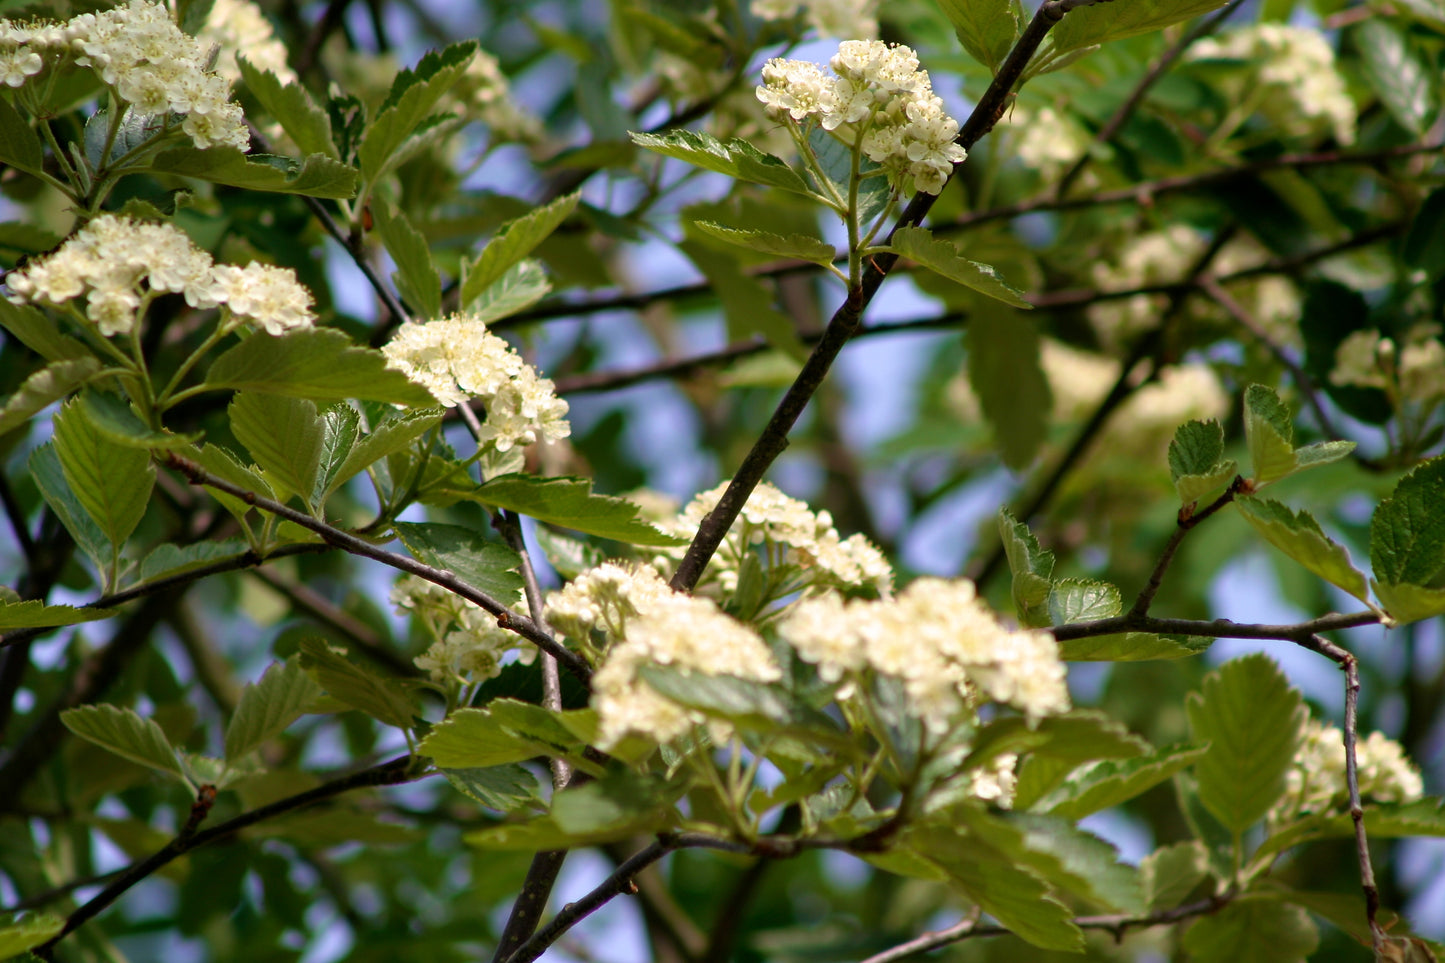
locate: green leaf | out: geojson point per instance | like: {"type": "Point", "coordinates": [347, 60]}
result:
{"type": "Point", "coordinates": [223, 464]}
{"type": "Point", "coordinates": [799, 246]}
{"type": "Point", "coordinates": [513, 242]}
{"type": "Point", "coordinates": [1170, 873]}
{"type": "Point", "coordinates": [1252, 719]}
{"type": "Point", "coordinates": [126, 734]}
{"type": "Point", "coordinates": [32, 931]}
{"type": "Point", "coordinates": [1132, 647]}
{"type": "Point", "coordinates": [523, 285]}
{"type": "Point", "coordinates": [1111, 782]}
{"type": "Point", "coordinates": [340, 426]}
{"type": "Point", "coordinates": [1425, 817]}
{"type": "Point", "coordinates": [555, 730]}
{"type": "Point", "coordinates": [359, 687]}
{"type": "Point", "coordinates": [1346, 911]}
{"type": "Point", "coordinates": [1032, 569]}
{"type": "Point", "coordinates": [621, 804]}
{"type": "Point", "coordinates": [118, 422]}
{"type": "Point", "coordinates": [533, 836]}
{"type": "Point", "coordinates": [20, 147]}
{"type": "Point", "coordinates": [1012, 389]}
{"type": "Point", "coordinates": [1300, 537]}
{"type": "Point", "coordinates": [746, 302]}
{"type": "Point", "coordinates": [1270, 433]}
{"type": "Point", "coordinates": [293, 108]}
{"type": "Point", "coordinates": [391, 436]}
{"type": "Point", "coordinates": [1081, 736]}
{"type": "Point", "coordinates": [747, 704]}
{"type": "Point", "coordinates": [169, 558]}
{"type": "Point", "coordinates": [268, 706]}
{"type": "Point", "coordinates": [49, 477]}
{"type": "Point", "coordinates": [986, 28]}
{"type": "Point", "coordinates": [1410, 603]}
{"type": "Point", "coordinates": [1196, 460]}
{"type": "Point", "coordinates": [409, 103]}
{"type": "Point", "coordinates": [1083, 600]}
{"type": "Point", "coordinates": [836, 162]}
{"type": "Point", "coordinates": [416, 273]}
{"type": "Point", "coordinates": [1115, 20]}
{"type": "Point", "coordinates": [315, 176]}
{"type": "Point", "coordinates": [1252, 931]}
{"type": "Point", "coordinates": [510, 788]}
{"type": "Point", "coordinates": [284, 436]}
{"type": "Point", "coordinates": [1070, 858]}
{"type": "Point", "coordinates": [941, 256]}
{"type": "Point", "coordinates": [35, 613]}
{"type": "Point", "coordinates": [1407, 532]}
{"type": "Point", "coordinates": [43, 389]}
{"type": "Point", "coordinates": [38, 332]}
{"type": "Point", "coordinates": [570, 503]}
{"type": "Point", "coordinates": [477, 739]}
{"type": "Point", "coordinates": [317, 363]}
{"type": "Point", "coordinates": [1424, 247]}
{"type": "Point", "coordinates": [736, 158]}
{"type": "Point", "coordinates": [488, 566]}
{"type": "Point", "coordinates": [112, 482]}
{"type": "Point", "coordinates": [1010, 894]}
{"type": "Point", "coordinates": [1407, 87]}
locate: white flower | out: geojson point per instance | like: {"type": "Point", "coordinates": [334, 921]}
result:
{"type": "Point", "coordinates": [484, 92]}
{"type": "Point", "coordinates": [1316, 780]}
{"type": "Point", "coordinates": [457, 358]}
{"type": "Point", "coordinates": [470, 644]}
{"type": "Point", "coordinates": [603, 599]}
{"type": "Point", "coordinates": [269, 295]}
{"type": "Point", "coordinates": [239, 27]}
{"type": "Point", "coordinates": [831, 18]}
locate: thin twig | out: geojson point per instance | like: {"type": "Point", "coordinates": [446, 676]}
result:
{"type": "Point", "coordinates": [1187, 519]}
{"type": "Point", "coordinates": [332, 535]}
{"type": "Point", "coordinates": [1214, 628]}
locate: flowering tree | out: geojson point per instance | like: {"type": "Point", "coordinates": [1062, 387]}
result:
{"type": "Point", "coordinates": [260, 370]}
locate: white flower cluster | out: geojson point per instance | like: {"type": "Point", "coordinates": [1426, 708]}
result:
{"type": "Point", "coordinates": [117, 263]}
{"type": "Point", "coordinates": [649, 624]}
{"type": "Point", "coordinates": [138, 51]}
{"type": "Point", "coordinates": [239, 27]}
{"type": "Point", "coordinates": [877, 98]}
{"type": "Point", "coordinates": [469, 644]}
{"type": "Point", "coordinates": [1047, 140]}
{"type": "Point", "coordinates": [940, 640]}
{"type": "Point", "coordinates": [831, 18]}
{"type": "Point", "coordinates": [1413, 373]}
{"type": "Point", "coordinates": [457, 358]}
{"type": "Point", "coordinates": [1316, 780]}
{"type": "Point", "coordinates": [789, 533]}
{"type": "Point", "coordinates": [483, 90]}
{"type": "Point", "coordinates": [1292, 73]}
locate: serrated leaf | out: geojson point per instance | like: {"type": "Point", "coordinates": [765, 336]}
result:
{"type": "Point", "coordinates": [117, 421]}
{"type": "Point", "coordinates": [1406, 86]}
{"type": "Point", "coordinates": [619, 805]}
{"type": "Point", "coordinates": [1103, 22]}
{"type": "Point", "coordinates": [359, 687]}
{"type": "Point", "coordinates": [293, 108]}
{"type": "Point", "coordinates": [941, 256]}
{"type": "Point", "coordinates": [747, 303]}
{"type": "Point", "coordinates": [1071, 859]}
{"type": "Point", "coordinates": [391, 436]}
{"type": "Point", "coordinates": [49, 478]}
{"type": "Point", "coordinates": [316, 363]}
{"type": "Point", "coordinates": [1299, 536]}
{"type": "Point", "coordinates": [223, 464]}
{"type": "Point", "coordinates": [340, 426]}
{"type": "Point", "coordinates": [1322, 453]}
{"type": "Point", "coordinates": [570, 503]}
{"type": "Point", "coordinates": [1032, 569]}
{"type": "Point", "coordinates": [1407, 532]}
{"type": "Point", "coordinates": [507, 789]}
{"type": "Point", "coordinates": [986, 28]}
{"type": "Point", "coordinates": [1424, 817]}
{"type": "Point", "coordinates": [169, 558]}
{"type": "Point", "coordinates": [736, 158]}
{"type": "Point", "coordinates": [569, 557]}
{"type": "Point", "coordinates": [532, 836]}
{"type": "Point", "coordinates": [1191, 488]}
{"type": "Point", "coordinates": [1410, 603]}
{"type": "Point", "coordinates": [523, 285]}
{"type": "Point", "coordinates": [747, 704]}
{"type": "Point", "coordinates": [1132, 647]}
{"type": "Point", "coordinates": [1009, 380]}
{"type": "Point", "coordinates": [799, 246]}
{"type": "Point", "coordinates": [36, 614]}
{"type": "Point", "coordinates": [126, 734]}
{"type": "Point", "coordinates": [268, 706]}
{"type": "Point", "coordinates": [284, 436]}
{"type": "Point", "coordinates": [488, 566]}
{"type": "Point", "coordinates": [1080, 736]}
{"type": "Point", "coordinates": [43, 389]}
{"type": "Point", "coordinates": [513, 242]}
{"type": "Point", "coordinates": [409, 103]}
{"type": "Point", "coordinates": [315, 176]}
{"type": "Point", "coordinates": [476, 739]}
{"type": "Point", "coordinates": [1170, 873]}
{"type": "Point", "coordinates": [1252, 719]}
{"type": "Point", "coordinates": [1111, 782]}
{"type": "Point", "coordinates": [38, 332]}
{"type": "Point", "coordinates": [112, 482]}
{"type": "Point", "coordinates": [1196, 449]}
{"type": "Point", "coordinates": [416, 273]}
{"type": "Point", "coordinates": [1083, 600]}
{"type": "Point", "coordinates": [20, 147]}
{"type": "Point", "coordinates": [1269, 433]}
{"type": "Point", "coordinates": [1252, 931]}
{"type": "Point", "coordinates": [29, 933]}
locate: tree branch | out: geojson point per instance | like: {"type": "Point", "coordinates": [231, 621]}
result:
{"type": "Point", "coordinates": [1188, 518]}
{"type": "Point", "coordinates": [1215, 628]}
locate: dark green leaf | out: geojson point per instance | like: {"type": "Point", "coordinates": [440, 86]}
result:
{"type": "Point", "coordinates": [1004, 370]}
{"type": "Point", "coordinates": [315, 176]}
{"type": "Point", "coordinates": [488, 566]}
{"type": "Point", "coordinates": [20, 146]}
{"type": "Point", "coordinates": [1196, 460]}
{"type": "Point", "coordinates": [619, 805]}
{"type": "Point", "coordinates": [749, 705]}
{"type": "Point", "coordinates": [1111, 782]}
{"type": "Point", "coordinates": [317, 363]}
{"type": "Point", "coordinates": [49, 477]}
{"type": "Point", "coordinates": [169, 558]}
{"type": "Point", "coordinates": [1252, 931]}
{"type": "Point", "coordinates": [361, 688]}
{"type": "Point", "coordinates": [936, 254]}
{"type": "Point", "coordinates": [1408, 88]}
{"type": "Point", "coordinates": [1424, 247]}
{"type": "Point", "coordinates": [413, 95]}
{"type": "Point", "coordinates": [1171, 873]}
{"type": "Point", "coordinates": [293, 108]}
{"type": "Point", "coordinates": [391, 436]}
{"type": "Point", "coordinates": [1117, 19]}
{"type": "Point", "coordinates": [570, 503]}
{"type": "Point", "coordinates": [340, 425]}
{"type": "Point", "coordinates": [510, 788]}
{"type": "Point", "coordinates": [117, 421]}
{"type": "Point", "coordinates": [1407, 533]}
{"type": "Point", "coordinates": [799, 246]}
{"type": "Point", "coordinates": [268, 706]}
{"type": "Point", "coordinates": [35, 329]}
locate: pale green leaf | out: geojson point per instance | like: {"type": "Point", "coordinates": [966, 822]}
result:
{"type": "Point", "coordinates": [986, 28]}
{"type": "Point", "coordinates": [359, 687]}
{"type": "Point", "coordinates": [736, 158]}
{"type": "Point", "coordinates": [1171, 873]}
{"type": "Point", "coordinates": [268, 706]}
{"type": "Point", "coordinates": [1322, 453]}
{"type": "Point", "coordinates": [475, 739]}
{"type": "Point", "coordinates": [1196, 460]}
{"type": "Point", "coordinates": [1132, 647]}
{"type": "Point", "coordinates": [1117, 19]}
{"type": "Point", "coordinates": [1071, 859]}
{"type": "Point", "coordinates": [38, 331]}
{"type": "Point", "coordinates": [1252, 931]}
{"type": "Point", "coordinates": [32, 931]}
{"type": "Point", "coordinates": [340, 426]}
{"type": "Point", "coordinates": [1191, 488]}
{"type": "Point", "coordinates": [799, 246]}
{"type": "Point", "coordinates": [748, 705]}
{"type": "Point", "coordinates": [126, 734]}
{"type": "Point", "coordinates": [416, 274]}
{"type": "Point", "coordinates": [513, 242]}
{"type": "Point", "coordinates": [118, 422]}
{"type": "Point", "coordinates": [523, 285]}
{"type": "Point", "coordinates": [225, 465]}
{"type": "Point", "coordinates": [305, 122]}
{"type": "Point", "coordinates": [43, 388]}
{"type": "Point", "coordinates": [509, 788]}
{"type": "Point", "coordinates": [1009, 380]}
{"type": "Point", "coordinates": [570, 503]}
{"type": "Point", "coordinates": [1083, 600]}
{"type": "Point", "coordinates": [317, 363]}
{"type": "Point", "coordinates": [1110, 782]}
{"type": "Point", "coordinates": [389, 437]}
{"type": "Point", "coordinates": [918, 244]}
{"type": "Point", "coordinates": [1269, 433]}
{"type": "Point", "coordinates": [315, 176]}
{"type": "Point", "coordinates": [409, 103]}
{"type": "Point", "coordinates": [619, 805]}
{"type": "Point", "coordinates": [1252, 719]}
{"type": "Point", "coordinates": [169, 559]}
{"type": "Point", "coordinates": [1407, 532]}
{"type": "Point", "coordinates": [1410, 603]}
{"type": "Point", "coordinates": [1299, 536]}
{"type": "Point", "coordinates": [36, 614]}
{"type": "Point", "coordinates": [1032, 569]}
{"type": "Point", "coordinates": [284, 436]}
{"type": "Point", "coordinates": [112, 482]}
{"type": "Point", "coordinates": [535, 835]}
{"type": "Point", "coordinates": [486, 565]}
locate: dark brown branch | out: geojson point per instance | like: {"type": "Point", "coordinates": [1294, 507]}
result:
{"type": "Point", "coordinates": [1215, 628]}
{"type": "Point", "coordinates": [1187, 519]}
{"type": "Point", "coordinates": [390, 773]}
{"type": "Point", "coordinates": [332, 535]}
